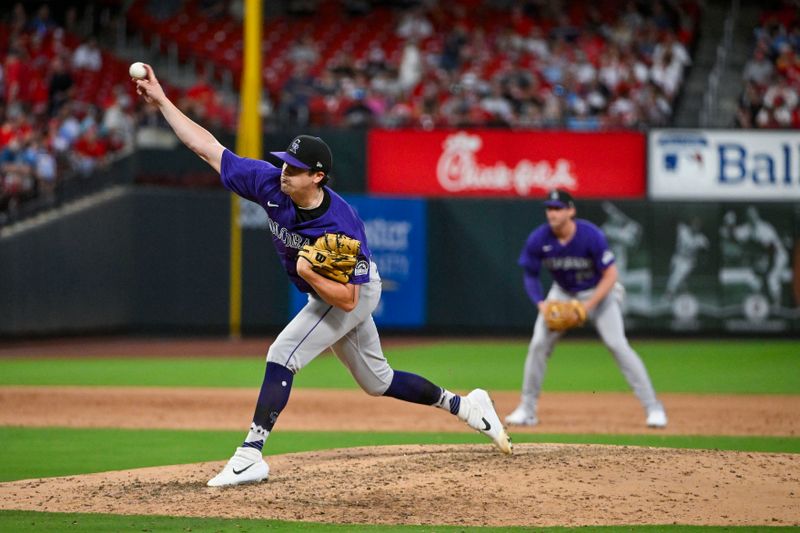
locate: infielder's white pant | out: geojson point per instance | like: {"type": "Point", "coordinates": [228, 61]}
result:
{"type": "Point", "coordinates": [353, 337]}
{"type": "Point", "coordinates": [607, 319]}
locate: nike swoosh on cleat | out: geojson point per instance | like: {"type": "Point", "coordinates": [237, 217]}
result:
{"type": "Point", "coordinates": [487, 425]}
{"type": "Point", "coordinates": [237, 472]}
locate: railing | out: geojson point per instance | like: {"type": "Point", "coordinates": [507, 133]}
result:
{"type": "Point", "coordinates": [709, 114]}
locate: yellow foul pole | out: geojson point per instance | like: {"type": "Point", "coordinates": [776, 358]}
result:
{"type": "Point", "coordinates": [248, 144]}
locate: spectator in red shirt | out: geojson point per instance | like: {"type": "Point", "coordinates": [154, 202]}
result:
{"type": "Point", "coordinates": [16, 126]}
{"type": "Point", "coordinates": [13, 74]}
{"type": "Point", "coordinates": [199, 98]}
{"type": "Point", "coordinates": [90, 152]}
{"type": "Point", "coordinates": [6, 133]}
{"type": "Point", "coordinates": [788, 64]}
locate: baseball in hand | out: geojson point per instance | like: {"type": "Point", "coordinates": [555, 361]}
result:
{"type": "Point", "coordinates": [137, 70]}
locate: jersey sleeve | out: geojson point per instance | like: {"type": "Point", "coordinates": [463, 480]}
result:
{"type": "Point", "coordinates": [602, 255]}
{"type": "Point", "coordinates": [530, 257]}
{"type": "Point", "coordinates": [533, 286]}
{"type": "Point", "coordinates": [361, 270]}
{"type": "Point", "coordinates": [249, 178]}
{"type": "Point", "coordinates": [531, 261]}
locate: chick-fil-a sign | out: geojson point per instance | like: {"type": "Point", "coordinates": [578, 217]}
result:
{"type": "Point", "coordinates": [505, 163]}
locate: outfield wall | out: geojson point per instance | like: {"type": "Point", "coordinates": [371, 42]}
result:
{"type": "Point", "coordinates": [155, 259]}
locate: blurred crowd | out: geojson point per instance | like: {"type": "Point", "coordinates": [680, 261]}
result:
{"type": "Point", "coordinates": [577, 65]}
{"type": "Point", "coordinates": [772, 75]}
{"type": "Point", "coordinates": [458, 63]}
{"type": "Point", "coordinates": [67, 106]}
{"type": "Point", "coordinates": [47, 132]}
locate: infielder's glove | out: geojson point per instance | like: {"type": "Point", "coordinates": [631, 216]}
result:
{"type": "Point", "coordinates": [561, 316]}
{"type": "Point", "coordinates": [333, 255]}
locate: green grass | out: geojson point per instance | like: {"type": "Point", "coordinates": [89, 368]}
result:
{"type": "Point", "coordinates": [744, 367]}
{"type": "Point", "coordinates": [25, 521]}
{"type": "Point", "coordinates": [79, 451]}
{"type": "Point", "coordinates": [729, 366]}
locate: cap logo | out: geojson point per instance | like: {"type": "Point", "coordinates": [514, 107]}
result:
{"type": "Point", "coordinates": [554, 195]}
{"type": "Point", "coordinates": [295, 146]}
{"type": "Point", "coordinates": [319, 165]}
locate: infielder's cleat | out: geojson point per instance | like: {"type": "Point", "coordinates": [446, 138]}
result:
{"type": "Point", "coordinates": [481, 416]}
{"type": "Point", "coordinates": [657, 418]}
{"type": "Point", "coordinates": [246, 466]}
{"type": "Point", "coordinates": [522, 416]}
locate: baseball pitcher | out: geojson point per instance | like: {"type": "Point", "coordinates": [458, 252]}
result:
{"type": "Point", "coordinates": [585, 287]}
{"type": "Point", "coordinates": [322, 245]}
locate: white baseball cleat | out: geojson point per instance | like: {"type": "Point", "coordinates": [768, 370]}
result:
{"type": "Point", "coordinates": [246, 466]}
{"type": "Point", "coordinates": [481, 416]}
{"type": "Point", "coordinates": [522, 416]}
{"type": "Point", "coordinates": [656, 418]}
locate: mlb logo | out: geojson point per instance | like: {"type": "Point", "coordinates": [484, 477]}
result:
{"type": "Point", "coordinates": [691, 160]}
{"type": "Point", "coordinates": [682, 154]}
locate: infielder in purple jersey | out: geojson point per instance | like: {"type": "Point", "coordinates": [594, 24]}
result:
{"type": "Point", "coordinates": [576, 253]}
{"type": "Point", "coordinates": [300, 208]}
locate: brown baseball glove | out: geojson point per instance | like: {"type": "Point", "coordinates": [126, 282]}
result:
{"type": "Point", "coordinates": [333, 256]}
{"type": "Point", "coordinates": [561, 315]}
{"type": "Point", "coordinates": [338, 243]}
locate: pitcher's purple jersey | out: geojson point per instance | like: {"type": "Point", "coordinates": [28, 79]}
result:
{"type": "Point", "coordinates": [260, 182]}
{"type": "Point", "coordinates": [575, 266]}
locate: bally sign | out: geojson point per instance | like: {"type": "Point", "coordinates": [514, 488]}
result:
{"type": "Point", "coordinates": [504, 163]}
{"type": "Point", "coordinates": [724, 165]}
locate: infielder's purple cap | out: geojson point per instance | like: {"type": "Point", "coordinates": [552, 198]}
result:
{"type": "Point", "coordinates": [559, 198]}
{"type": "Point", "coordinates": [307, 152]}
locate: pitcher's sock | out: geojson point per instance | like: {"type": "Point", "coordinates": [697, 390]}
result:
{"type": "Point", "coordinates": [413, 388]}
{"type": "Point", "coordinates": [272, 399]}
{"type": "Point", "coordinates": [256, 437]}
{"type": "Point", "coordinates": [449, 401]}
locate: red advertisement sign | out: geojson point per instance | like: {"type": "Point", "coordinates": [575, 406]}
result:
{"type": "Point", "coordinates": [506, 163]}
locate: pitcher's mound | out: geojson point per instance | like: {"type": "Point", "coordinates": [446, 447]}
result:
{"type": "Point", "coordinates": [469, 485]}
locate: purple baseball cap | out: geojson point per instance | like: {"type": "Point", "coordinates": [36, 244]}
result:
{"type": "Point", "coordinates": [559, 198]}
{"type": "Point", "coordinates": [307, 152]}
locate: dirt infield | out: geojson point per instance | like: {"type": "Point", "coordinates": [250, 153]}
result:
{"type": "Point", "coordinates": [541, 485]}
{"type": "Point", "coordinates": [346, 410]}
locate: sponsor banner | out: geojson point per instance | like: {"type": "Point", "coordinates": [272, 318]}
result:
{"type": "Point", "coordinates": [506, 163]}
{"type": "Point", "coordinates": [724, 165]}
{"type": "Point", "coordinates": [396, 234]}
